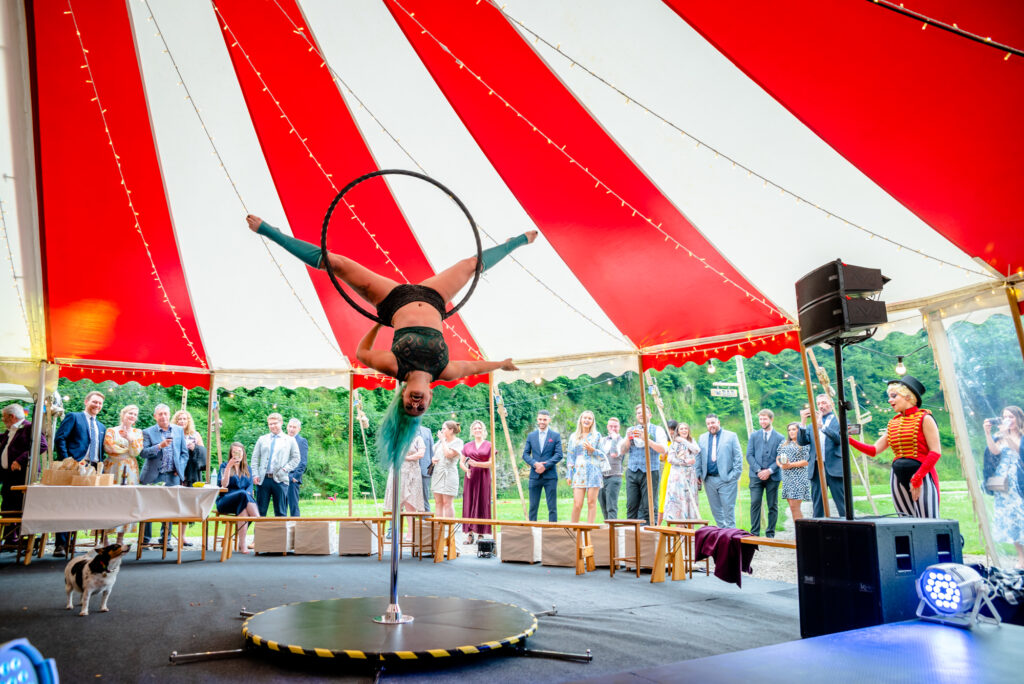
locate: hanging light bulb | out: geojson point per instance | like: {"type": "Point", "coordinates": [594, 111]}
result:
{"type": "Point", "coordinates": [900, 368]}
{"type": "Point", "coordinates": [711, 368]}
{"type": "Point", "coordinates": [767, 364]}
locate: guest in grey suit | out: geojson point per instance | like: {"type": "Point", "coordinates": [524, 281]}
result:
{"type": "Point", "coordinates": [425, 462]}
{"type": "Point", "coordinates": [719, 466]}
{"type": "Point", "coordinates": [166, 456]}
{"type": "Point", "coordinates": [828, 425]}
{"type": "Point", "coordinates": [765, 474]}
{"type": "Point", "coordinates": [275, 456]}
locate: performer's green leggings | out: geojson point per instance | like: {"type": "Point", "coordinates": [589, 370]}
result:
{"type": "Point", "coordinates": [310, 254]}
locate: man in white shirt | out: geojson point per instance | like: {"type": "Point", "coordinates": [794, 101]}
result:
{"type": "Point", "coordinates": [275, 455]}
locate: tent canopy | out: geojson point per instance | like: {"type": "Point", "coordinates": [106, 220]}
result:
{"type": "Point", "coordinates": [685, 162]}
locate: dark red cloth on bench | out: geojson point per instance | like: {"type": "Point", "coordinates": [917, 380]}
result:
{"type": "Point", "coordinates": [732, 558]}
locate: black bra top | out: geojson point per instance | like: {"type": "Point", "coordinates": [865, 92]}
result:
{"type": "Point", "coordinates": [407, 294]}
{"type": "Point", "coordinates": [419, 348]}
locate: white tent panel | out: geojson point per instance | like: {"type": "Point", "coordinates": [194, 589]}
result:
{"type": "Point", "coordinates": [240, 289]}
{"type": "Point", "coordinates": [649, 52]}
{"type": "Point", "coordinates": [553, 313]}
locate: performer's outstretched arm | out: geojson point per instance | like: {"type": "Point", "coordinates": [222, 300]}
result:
{"type": "Point", "coordinates": [461, 369]}
{"type": "Point", "coordinates": [377, 359]}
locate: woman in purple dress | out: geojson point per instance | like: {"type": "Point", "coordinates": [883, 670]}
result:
{"type": "Point", "coordinates": [476, 488]}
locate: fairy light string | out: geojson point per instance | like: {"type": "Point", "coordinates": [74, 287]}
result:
{"type": "Point", "coordinates": [332, 343]}
{"type": "Point", "coordinates": [235, 43]}
{"type": "Point", "coordinates": [719, 154]}
{"type": "Point", "coordinates": [91, 81]}
{"type": "Point", "coordinates": [599, 184]}
{"type": "Point", "coordinates": [300, 31]}
{"type": "Point", "coordinates": [15, 278]}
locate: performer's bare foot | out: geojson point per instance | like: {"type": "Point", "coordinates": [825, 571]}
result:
{"type": "Point", "coordinates": [531, 235]}
{"type": "Point", "coordinates": [255, 221]}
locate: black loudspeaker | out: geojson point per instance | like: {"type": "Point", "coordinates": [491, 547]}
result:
{"type": "Point", "coordinates": [832, 301]}
{"type": "Point", "coordinates": [859, 573]}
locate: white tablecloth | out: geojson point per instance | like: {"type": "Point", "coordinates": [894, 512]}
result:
{"type": "Point", "coordinates": [59, 509]}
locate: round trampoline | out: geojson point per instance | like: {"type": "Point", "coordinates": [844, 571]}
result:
{"type": "Point", "coordinates": [343, 628]}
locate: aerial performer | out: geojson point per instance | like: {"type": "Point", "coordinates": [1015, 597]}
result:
{"type": "Point", "coordinates": [913, 435]}
{"type": "Point", "coordinates": [418, 354]}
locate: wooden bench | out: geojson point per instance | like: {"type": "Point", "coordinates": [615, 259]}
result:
{"type": "Point", "coordinates": [444, 548]}
{"type": "Point", "coordinates": [770, 541]}
{"type": "Point", "coordinates": [613, 528]}
{"type": "Point", "coordinates": [675, 550]}
{"type": "Point", "coordinates": [231, 524]}
{"type": "Point", "coordinates": [417, 545]}
{"type": "Point", "coordinates": [162, 544]}
{"type": "Point", "coordinates": [690, 524]}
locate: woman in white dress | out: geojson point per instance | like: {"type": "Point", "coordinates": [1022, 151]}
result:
{"type": "Point", "coordinates": [444, 483]}
{"type": "Point", "coordinates": [583, 462]}
{"type": "Point", "coordinates": [411, 479]}
{"type": "Point", "coordinates": [123, 444]}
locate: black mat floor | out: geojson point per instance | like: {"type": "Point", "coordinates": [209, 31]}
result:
{"type": "Point", "coordinates": [158, 607]}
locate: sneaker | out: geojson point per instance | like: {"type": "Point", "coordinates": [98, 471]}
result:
{"type": "Point", "coordinates": [187, 544]}
{"type": "Point", "coordinates": [59, 551]}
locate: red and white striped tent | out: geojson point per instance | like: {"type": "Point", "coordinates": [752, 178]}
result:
{"type": "Point", "coordinates": [685, 162]}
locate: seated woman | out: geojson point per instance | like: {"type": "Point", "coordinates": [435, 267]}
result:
{"type": "Point", "coordinates": [792, 457]}
{"type": "Point", "coordinates": [1004, 478]}
{"type": "Point", "coordinates": [418, 354]}
{"type": "Point", "coordinates": [914, 437]}
{"type": "Point", "coordinates": [583, 466]}
{"type": "Point", "coordinates": [234, 475]}
{"type": "Point", "coordinates": [196, 451]}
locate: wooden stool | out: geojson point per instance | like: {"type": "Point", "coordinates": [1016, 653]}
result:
{"type": "Point", "coordinates": [690, 524]}
{"type": "Point", "coordinates": [415, 545]}
{"type": "Point", "coordinates": [613, 526]}
{"type": "Point", "coordinates": [671, 541]}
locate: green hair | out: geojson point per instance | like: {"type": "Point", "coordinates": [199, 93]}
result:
{"type": "Point", "coordinates": [397, 431]}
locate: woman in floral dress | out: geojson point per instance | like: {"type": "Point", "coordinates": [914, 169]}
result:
{"type": "Point", "coordinates": [583, 461]}
{"type": "Point", "coordinates": [792, 458]}
{"type": "Point", "coordinates": [123, 444]}
{"type": "Point", "coordinates": [681, 488]}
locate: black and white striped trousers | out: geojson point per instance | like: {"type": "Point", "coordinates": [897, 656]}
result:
{"type": "Point", "coordinates": [926, 506]}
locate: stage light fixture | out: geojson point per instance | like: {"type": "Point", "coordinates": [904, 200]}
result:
{"type": "Point", "coordinates": [22, 662]}
{"type": "Point", "coordinates": [900, 368]}
{"type": "Point", "coordinates": [955, 594]}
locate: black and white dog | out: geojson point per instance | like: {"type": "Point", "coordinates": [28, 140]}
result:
{"type": "Point", "coordinates": [93, 573]}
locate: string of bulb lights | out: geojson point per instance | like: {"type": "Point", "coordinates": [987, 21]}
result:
{"type": "Point", "coordinates": [629, 99]}
{"type": "Point", "coordinates": [332, 343]}
{"type": "Point", "coordinates": [91, 82]}
{"type": "Point", "coordinates": [313, 47]}
{"type": "Point", "coordinates": [303, 141]}
{"type": "Point", "coordinates": [9, 255]}
{"type": "Point", "coordinates": [599, 184]}
{"type": "Point", "coordinates": [951, 28]}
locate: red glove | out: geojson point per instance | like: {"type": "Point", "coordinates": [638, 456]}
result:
{"type": "Point", "coordinates": [868, 449]}
{"type": "Point", "coordinates": [928, 462]}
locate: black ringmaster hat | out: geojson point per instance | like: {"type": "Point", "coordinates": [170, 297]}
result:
{"type": "Point", "coordinates": [912, 384]}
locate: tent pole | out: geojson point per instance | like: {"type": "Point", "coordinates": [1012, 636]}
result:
{"type": "Point", "coordinates": [1011, 297]}
{"type": "Point", "coordinates": [814, 429]}
{"type": "Point", "coordinates": [502, 413]}
{"type": "Point", "coordinates": [494, 450]}
{"type": "Point", "coordinates": [947, 380]}
{"type": "Point", "coordinates": [211, 408]}
{"type": "Point", "coordinates": [351, 437]}
{"type": "Point", "coordinates": [864, 458]}
{"type": "Point", "coordinates": [37, 425]}
{"type": "Point", "coordinates": [652, 518]}
{"type": "Point", "coordinates": [741, 380]}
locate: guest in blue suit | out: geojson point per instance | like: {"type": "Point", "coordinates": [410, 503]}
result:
{"type": "Point", "coordinates": [295, 481]}
{"type": "Point", "coordinates": [719, 466]}
{"type": "Point", "coordinates": [80, 436]}
{"type": "Point", "coordinates": [765, 474]}
{"type": "Point", "coordinates": [542, 452]}
{"type": "Point", "coordinates": [828, 424]}
{"type": "Point", "coordinates": [166, 456]}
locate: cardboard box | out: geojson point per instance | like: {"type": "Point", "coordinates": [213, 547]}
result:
{"type": "Point", "coordinates": [63, 477]}
{"type": "Point", "coordinates": [519, 544]}
{"type": "Point", "coordinates": [315, 538]}
{"type": "Point", "coordinates": [599, 540]}
{"type": "Point", "coordinates": [92, 480]}
{"type": "Point", "coordinates": [356, 538]}
{"type": "Point", "coordinates": [558, 547]}
{"type": "Point", "coordinates": [274, 536]}
{"type": "Point", "coordinates": [648, 547]}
